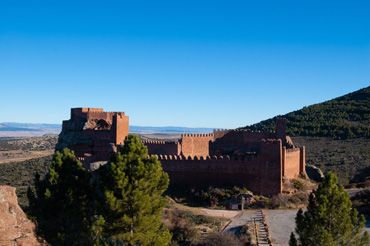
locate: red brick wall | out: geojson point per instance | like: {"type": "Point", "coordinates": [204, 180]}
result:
{"type": "Point", "coordinates": [302, 161]}
{"type": "Point", "coordinates": [234, 140]}
{"type": "Point", "coordinates": [291, 162]}
{"type": "Point", "coordinates": [82, 112]}
{"type": "Point", "coordinates": [120, 128]}
{"type": "Point", "coordinates": [195, 144]}
{"type": "Point", "coordinates": [261, 175]}
{"type": "Point", "coordinates": [162, 148]}
{"type": "Point", "coordinates": [220, 133]}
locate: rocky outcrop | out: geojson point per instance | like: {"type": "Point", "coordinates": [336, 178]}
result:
{"type": "Point", "coordinates": [314, 173]}
{"type": "Point", "coordinates": [15, 228]}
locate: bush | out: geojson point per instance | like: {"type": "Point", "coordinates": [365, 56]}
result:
{"type": "Point", "coordinates": [220, 239]}
{"type": "Point", "coordinates": [298, 184]}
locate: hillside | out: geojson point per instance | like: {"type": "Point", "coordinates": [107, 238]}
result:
{"type": "Point", "coordinates": [344, 117]}
{"type": "Point", "coordinates": [348, 159]}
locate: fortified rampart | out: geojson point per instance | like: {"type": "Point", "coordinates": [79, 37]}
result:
{"type": "Point", "coordinates": [261, 174]}
{"type": "Point", "coordinates": [253, 159]}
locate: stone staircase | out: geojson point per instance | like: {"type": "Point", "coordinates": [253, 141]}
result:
{"type": "Point", "coordinates": [261, 228]}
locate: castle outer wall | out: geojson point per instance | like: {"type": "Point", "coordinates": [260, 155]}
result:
{"type": "Point", "coordinates": [260, 174]}
{"type": "Point", "coordinates": [252, 159]}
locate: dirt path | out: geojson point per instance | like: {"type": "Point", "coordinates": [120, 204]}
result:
{"type": "Point", "coordinates": [221, 213]}
{"type": "Point", "coordinates": [281, 224]}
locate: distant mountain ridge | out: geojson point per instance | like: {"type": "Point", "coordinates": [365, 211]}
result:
{"type": "Point", "coordinates": [31, 125]}
{"type": "Point", "coordinates": [344, 117]}
{"type": "Point", "coordinates": [5, 127]}
{"type": "Point", "coordinates": [168, 129]}
{"type": "Point", "coordinates": [15, 127]}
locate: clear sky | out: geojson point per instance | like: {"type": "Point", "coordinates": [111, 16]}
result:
{"type": "Point", "coordinates": [221, 64]}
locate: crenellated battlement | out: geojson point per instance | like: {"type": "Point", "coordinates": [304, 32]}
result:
{"type": "Point", "coordinates": [197, 135]}
{"type": "Point", "coordinates": [93, 113]}
{"type": "Point", "coordinates": [107, 116]}
{"type": "Point", "coordinates": [106, 112]}
{"type": "Point", "coordinates": [157, 142]}
{"type": "Point", "coordinates": [221, 130]}
{"type": "Point", "coordinates": [272, 141]}
{"type": "Point", "coordinates": [231, 158]}
{"type": "Point", "coordinates": [239, 130]}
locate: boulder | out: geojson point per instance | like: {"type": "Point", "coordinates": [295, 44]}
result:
{"type": "Point", "coordinates": [314, 173]}
{"type": "Point", "coordinates": [248, 198]}
{"type": "Point", "coordinates": [15, 228]}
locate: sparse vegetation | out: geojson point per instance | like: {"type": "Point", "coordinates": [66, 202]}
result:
{"type": "Point", "coordinates": [361, 201]}
{"type": "Point", "coordinates": [348, 159]}
{"type": "Point", "coordinates": [208, 196]}
{"type": "Point", "coordinates": [247, 234]}
{"type": "Point", "coordinates": [189, 225]}
{"type": "Point", "coordinates": [341, 118]}
{"type": "Point", "coordinates": [219, 239]}
{"type": "Point", "coordinates": [21, 175]}
{"type": "Point", "coordinates": [29, 144]}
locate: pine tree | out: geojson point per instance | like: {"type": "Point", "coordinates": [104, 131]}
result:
{"type": "Point", "coordinates": [293, 241]}
{"type": "Point", "coordinates": [131, 206]}
{"type": "Point", "coordinates": [62, 205]}
{"type": "Point", "coordinates": [330, 219]}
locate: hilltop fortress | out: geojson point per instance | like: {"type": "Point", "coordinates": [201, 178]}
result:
{"type": "Point", "coordinates": [253, 159]}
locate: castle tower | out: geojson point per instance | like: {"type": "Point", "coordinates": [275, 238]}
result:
{"type": "Point", "coordinates": [281, 129]}
{"type": "Point", "coordinates": [93, 134]}
{"type": "Point", "coordinates": [120, 128]}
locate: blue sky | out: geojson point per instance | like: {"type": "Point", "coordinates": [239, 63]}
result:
{"type": "Point", "coordinates": [221, 64]}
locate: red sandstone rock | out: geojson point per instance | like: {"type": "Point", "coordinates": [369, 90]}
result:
{"type": "Point", "coordinates": [15, 228]}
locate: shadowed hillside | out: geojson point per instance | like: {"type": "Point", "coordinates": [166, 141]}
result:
{"type": "Point", "coordinates": [344, 117]}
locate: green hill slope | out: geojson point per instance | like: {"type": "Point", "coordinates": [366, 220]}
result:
{"type": "Point", "coordinates": [344, 117]}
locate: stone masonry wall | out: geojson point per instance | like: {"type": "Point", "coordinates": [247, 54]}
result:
{"type": "Point", "coordinates": [120, 128]}
{"type": "Point", "coordinates": [261, 174]}
{"type": "Point", "coordinates": [163, 148]}
{"type": "Point", "coordinates": [238, 141]}
{"type": "Point", "coordinates": [195, 144]}
{"type": "Point", "coordinates": [293, 162]}
{"type": "Point", "coordinates": [291, 159]}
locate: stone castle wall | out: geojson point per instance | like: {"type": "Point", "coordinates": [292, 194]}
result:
{"type": "Point", "coordinates": [196, 144]}
{"type": "Point", "coordinates": [254, 159]}
{"type": "Point", "coordinates": [163, 148]}
{"type": "Point", "coordinates": [261, 174]}
{"type": "Point", "coordinates": [293, 164]}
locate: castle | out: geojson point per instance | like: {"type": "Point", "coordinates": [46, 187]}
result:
{"type": "Point", "coordinates": [253, 159]}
